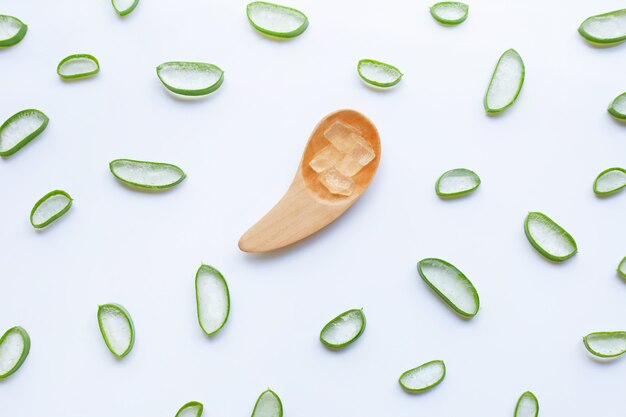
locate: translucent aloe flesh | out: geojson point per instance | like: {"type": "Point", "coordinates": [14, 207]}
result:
{"type": "Point", "coordinates": [506, 82]}
{"type": "Point", "coordinates": [117, 329]}
{"type": "Point", "coordinates": [275, 20]}
{"type": "Point", "coordinates": [20, 129]}
{"type": "Point", "coordinates": [606, 344]}
{"type": "Point", "coordinates": [268, 405]}
{"type": "Point", "coordinates": [609, 181]}
{"type": "Point", "coordinates": [378, 73]}
{"type": "Point", "coordinates": [49, 208]}
{"type": "Point", "coordinates": [212, 299]}
{"type": "Point", "coordinates": [124, 7]}
{"type": "Point", "coordinates": [424, 377]}
{"type": "Point", "coordinates": [343, 329]}
{"type": "Point", "coordinates": [78, 66]}
{"type": "Point", "coordinates": [449, 12]}
{"type": "Point", "coordinates": [148, 175]}
{"type": "Point", "coordinates": [190, 78]}
{"type": "Point", "coordinates": [527, 405]}
{"type": "Point", "coordinates": [617, 108]}
{"type": "Point", "coordinates": [191, 409]}
{"type": "Point", "coordinates": [12, 30]}
{"type": "Point", "coordinates": [14, 348]}
{"type": "Point", "coordinates": [607, 28]}
{"type": "Point", "coordinates": [457, 182]}
{"type": "Point", "coordinates": [550, 239]}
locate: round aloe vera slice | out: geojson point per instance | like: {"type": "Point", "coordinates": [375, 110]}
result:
{"type": "Point", "coordinates": [49, 208]}
{"type": "Point", "coordinates": [78, 66]}
{"type": "Point", "coordinates": [617, 108]}
{"type": "Point", "coordinates": [621, 268]}
{"type": "Point", "coordinates": [378, 73]}
{"type": "Point", "coordinates": [268, 405]}
{"type": "Point", "coordinates": [457, 182]}
{"type": "Point", "coordinates": [609, 181]}
{"type": "Point", "coordinates": [343, 329]}
{"type": "Point", "coordinates": [12, 30]}
{"type": "Point", "coordinates": [424, 377]}
{"type": "Point", "coordinates": [451, 285]}
{"type": "Point", "coordinates": [449, 12]}
{"type": "Point", "coordinates": [606, 344]}
{"type": "Point", "coordinates": [148, 175]}
{"type": "Point", "coordinates": [506, 82]}
{"type": "Point", "coordinates": [117, 329]}
{"type": "Point", "coordinates": [190, 78]}
{"type": "Point", "coordinates": [212, 299]}
{"type": "Point", "coordinates": [124, 7]}
{"type": "Point", "coordinates": [275, 20]}
{"type": "Point", "coordinates": [550, 239]}
{"type": "Point", "coordinates": [20, 129]}
{"type": "Point", "coordinates": [191, 409]}
{"type": "Point", "coordinates": [607, 28]}
{"type": "Point", "coordinates": [527, 405]}
{"type": "Point", "coordinates": [14, 348]}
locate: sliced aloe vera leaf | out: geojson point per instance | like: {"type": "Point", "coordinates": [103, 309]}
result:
{"type": "Point", "coordinates": [191, 409]}
{"type": "Point", "coordinates": [275, 20]}
{"type": "Point", "coordinates": [14, 348]}
{"type": "Point", "coordinates": [268, 405]}
{"type": "Point", "coordinates": [49, 208]}
{"type": "Point", "coordinates": [527, 405]}
{"type": "Point", "coordinates": [424, 377]}
{"type": "Point", "coordinates": [449, 12]}
{"type": "Point", "coordinates": [607, 28]}
{"type": "Point", "coordinates": [343, 329]}
{"type": "Point", "coordinates": [550, 239]}
{"type": "Point", "coordinates": [621, 268]}
{"type": "Point", "coordinates": [190, 78]}
{"type": "Point", "coordinates": [457, 182]}
{"type": "Point", "coordinates": [12, 30]}
{"type": "Point", "coordinates": [124, 7]}
{"type": "Point", "coordinates": [20, 129]}
{"type": "Point", "coordinates": [609, 181]}
{"type": "Point", "coordinates": [117, 329]}
{"type": "Point", "coordinates": [451, 285]}
{"type": "Point", "coordinates": [378, 73]}
{"type": "Point", "coordinates": [617, 108]}
{"type": "Point", "coordinates": [148, 175]}
{"type": "Point", "coordinates": [606, 344]}
{"type": "Point", "coordinates": [212, 299]}
{"type": "Point", "coordinates": [78, 66]}
{"type": "Point", "coordinates": [506, 82]}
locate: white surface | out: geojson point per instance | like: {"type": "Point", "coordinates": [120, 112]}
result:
{"type": "Point", "coordinates": [240, 148]}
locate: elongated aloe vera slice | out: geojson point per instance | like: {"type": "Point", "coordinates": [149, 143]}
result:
{"type": "Point", "coordinates": [148, 175]}
{"type": "Point", "coordinates": [457, 182]}
{"type": "Point", "coordinates": [550, 239]}
{"type": "Point", "coordinates": [117, 329]}
{"type": "Point", "coordinates": [449, 12]}
{"type": "Point", "coordinates": [607, 28]}
{"type": "Point", "coordinates": [49, 208]}
{"type": "Point", "coordinates": [609, 181]}
{"type": "Point", "coordinates": [378, 73]}
{"type": "Point", "coordinates": [12, 30]}
{"type": "Point", "coordinates": [506, 82]}
{"type": "Point", "coordinates": [14, 348]}
{"type": "Point", "coordinates": [190, 78]}
{"type": "Point", "coordinates": [451, 285]}
{"type": "Point", "coordinates": [606, 344]}
{"type": "Point", "coordinates": [20, 129]}
{"type": "Point", "coordinates": [78, 66]}
{"type": "Point", "coordinates": [275, 20]}
{"type": "Point", "coordinates": [343, 329]}
{"type": "Point", "coordinates": [424, 377]}
{"type": "Point", "coordinates": [212, 299]}
{"type": "Point", "coordinates": [527, 405]}
{"type": "Point", "coordinates": [124, 7]}
{"type": "Point", "coordinates": [268, 405]}
{"type": "Point", "coordinates": [621, 268]}
{"type": "Point", "coordinates": [191, 409]}
{"type": "Point", "coordinates": [617, 108]}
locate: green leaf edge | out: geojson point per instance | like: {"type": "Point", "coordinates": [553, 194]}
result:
{"type": "Point", "coordinates": [519, 88]}
{"type": "Point", "coordinates": [615, 113]}
{"type": "Point", "coordinates": [372, 82]}
{"type": "Point", "coordinates": [26, 338]}
{"type": "Point", "coordinates": [126, 11]}
{"type": "Point", "coordinates": [221, 277]}
{"type": "Point", "coordinates": [292, 34]}
{"type": "Point", "coordinates": [193, 93]}
{"type": "Point", "coordinates": [620, 271]}
{"type": "Point", "coordinates": [434, 384]}
{"type": "Point", "coordinates": [280, 403]}
{"type": "Point", "coordinates": [126, 314]}
{"type": "Point", "coordinates": [460, 193]}
{"type": "Point", "coordinates": [81, 75]}
{"type": "Point", "coordinates": [598, 354]}
{"type": "Point", "coordinates": [607, 193]}
{"type": "Point", "coordinates": [191, 404]}
{"type": "Point", "coordinates": [593, 39]}
{"type": "Point", "coordinates": [143, 186]}
{"type": "Point", "coordinates": [56, 216]}
{"type": "Point", "coordinates": [28, 138]}
{"type": "Point", "coordinates": [18, 36]}
{"type": "Point", "coordinates": [539, 248]}
{"type": "Point", "coordinates": [342, 345]}
{"type": "Point", "coordinates": [453, 22]}
{"type": "Point", "coordinates": [531, 395]}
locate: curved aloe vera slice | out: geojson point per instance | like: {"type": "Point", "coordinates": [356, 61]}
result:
{"type": "Point", "coordinates": [607, 28]}
{"type": "Point", "coordinates": [144, 174]}
{"type": "Point", "coordinates": [378, 73]}
{"type": "Point", "coordinates": [424, 377]}
{"type": "Point", "coordinates": [451, 285]}
{"type": "Point", "coordinates": [78, 66]}
{"type": "Point", "coordinates": [20, 129]}
{"type": "Point", "coordinates": [457, 182]}
{"type": "Point", "coordinates": [124, 7]}
{"type": "Point", "coordinates": [14, 348]}
{"type": "Point", "coordinates": [212, 299]}
{"type": "Point", "coordinates": [117, 329]}
{"type": "Point", "coordinates": [343, 329]}
{"type": "Point", "coordinates": [617, 108]}
{"type": "Point", "coordinates": [527, 405]}
{"type": "Point", "coordinates": [506, 82]}
{"type": "Point", "coordinates": [275, 20]}
{"type": "Point", "coordinates": [49, 208]}
{"type": "Point", "coordinates": [268, 405]}
{"type": "Point", "coordinates": [550, 239]}
{"type": "Point", "coordinates": [191, 409]}
{"type": "Point", "coordinates": [621, 268]}
{"type": "Point", "coordinates": [610, 181]}
{"type": "Point", "coordinates": [449, 12]}
{"type": "Point", "coordinates": [190, 78]}
{"type": "Point", "coordinates": [12, 30]}
{"type": "Point", "coordinates": [606, 344]}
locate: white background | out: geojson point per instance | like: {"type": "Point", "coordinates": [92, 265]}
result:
{"type": "Point", "coordinates": [240, 148]}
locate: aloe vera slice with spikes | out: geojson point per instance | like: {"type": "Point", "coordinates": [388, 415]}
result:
{"type": "Point", "coordinates": [275, 20]}
{"type": "Point", "coordinates": [607, 28]}
{"type": "Point", "coordinates": [49, 208]}
{"type": "Point", "coordinates": [343, 329]}
{"type": "Point", "coordinates": [14, 348]}
{"type": "Point", "coordinates": [609, 181]}
{"type": "Point", "coordinates": [424, 377]}
{"type": "Point", "coordinates": [550, 239]}
{"type": "Point", "coordinates": [527, 405]}
{"type": "Point", "coordinates": [191, 409]}
{"type": "Point", "coordinates": [457, 182]}
{"type": "Point", "coordinates": [20, 129]}
{"type": "Point", "coordinates": [117, 329]}
{"type": "Point", "coordinates": [212, 299]}
{"type": "Point", "coordinates": [617, 108]}
{"type": "Point", "coordinates": [124, 7]}
{"type": "Point", "coordinates": [148, 175]}
{"type": "Point", "coordinates": [449, 12]}
{"type": "Point", "coordinates": [78, 66]}
{"type": "Point", "coordinates": [268, 405]}
{"type": "Point", "coordinates": [378, 73]}
{"type": "Point", "coordinates": [506, 82]}
{"type": "Point", "coordinates": [12, 30]}
{"type": "Point", "coordinates": [606, 344]}
{"type": "Point", "coordinates": [190, 78]}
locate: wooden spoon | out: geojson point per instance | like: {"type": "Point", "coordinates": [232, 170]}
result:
{"type": "Point", "coordinates": [308, 205]}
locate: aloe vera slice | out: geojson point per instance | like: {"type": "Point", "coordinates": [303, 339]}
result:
{"type": "Point", "coordinates": [378, 73]}
{"type": "Point", "coordinates": [148, 175]}
{"type": "Point", "coordinates": [12, 30]}
{"type": "Point", "coordinates": [14, 348]}
{"type": "Point", "coordinates": [506, 82]}
{"type": "Point", "coordinates": [343, 329]}
{"type": "Point", "coordinates": [449, 12]}
{"type": "Point", "coordinates": [78, 66]}
{"type": "Point", "coordinates": [20, 129]}
{"type": "Point", "coordinates": [527, 405]}
{"type": "Point", "coordinates": [190, 78]}
{"type": "Point", "coordinates": [609, 181]}
{"type": "Point", "coordinates": [621, 268]}
{"type": "Point", "coordinates": [49, 208]}
{"type": "Point", "coordinates": [607, 28]}
{"type": "Point", "coordinates": [191, 409]}
{"type": "Point", "coordinates": [606, 344]}
{"type": "Point", "coordinates": [617, 108]}
{"type": "Point", "coordinates": [275, 20]}
{"type": "Point", "coordinates": [457, 182]}
{"type": "Point", "coordinates": [212, 299]}
{"type": "Point", "coordinates": [117, 329]}
{"type": "Point", "coordinates": [268, 405]}
{"type": "Point", "coordinates": [424, 377]}
{"type": "Point", "coordinates": [451, 285]}
{"type": "Point", "coordinates": [124, 7]}
{"type": "Point", "coordinates": [550, 239]}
